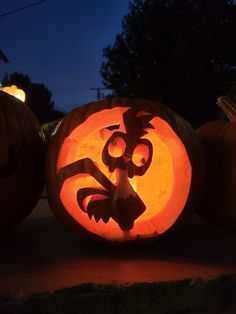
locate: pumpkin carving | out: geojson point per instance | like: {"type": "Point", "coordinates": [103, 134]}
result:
{"type": "Point", "coordinates": [21, 161]}
{"type": "Point", "coordinates": [14, 91]}
{"type": "Point", "coordinates": [218, 202]}
{"type": "Point", "coordinates": [123, 169]}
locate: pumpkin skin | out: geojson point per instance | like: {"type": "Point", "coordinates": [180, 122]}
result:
{"type": "Point", "coordinates": [21, 161]}
{"type": "Point", "coordinates": [218, 201]}
{"type": "Point", "coordinates": [123, 169]}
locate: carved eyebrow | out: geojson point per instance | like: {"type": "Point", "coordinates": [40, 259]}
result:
{"type": "Point", "coordinates": [85, 166]}
{"type": "Point", "coordinates": [113, 127]}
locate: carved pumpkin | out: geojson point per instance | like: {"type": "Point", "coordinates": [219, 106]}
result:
{"type": "Point", "coordinates": [21, 161]}
{"type": "Point", "coordinates": [14, 91]}
{"type": "Point", "coordinates": [123, 169]}
{"type": "Point", "coordinates": [218, 202]}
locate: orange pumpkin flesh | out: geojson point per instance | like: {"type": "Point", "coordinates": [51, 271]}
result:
{"type": "Point", "coordinates": [21, 161]}
{"type": "Point", "coordinates": [124, 169]}
{"type": "Point", "coordinates": [218, 202]}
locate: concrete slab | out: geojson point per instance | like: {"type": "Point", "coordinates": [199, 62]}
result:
{"type": "Point", "coordinates": [42, 261]}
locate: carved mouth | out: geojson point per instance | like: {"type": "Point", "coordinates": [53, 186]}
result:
{"type": "Point", "coordinates": [95, 202]}
{"type": "Point", "coordinates": [106, 202]}
{"type": "Point", "coordinates": [99, 204]}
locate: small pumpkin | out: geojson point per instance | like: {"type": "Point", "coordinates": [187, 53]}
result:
{"type": "Point", "coordinates": [123, 169]}
{"type": "Point", "coordinates": [219, 143]}
{"type": "Point", "coordinates": [21, 161]}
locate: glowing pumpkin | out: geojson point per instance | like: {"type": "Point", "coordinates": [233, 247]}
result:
{"type": "Point", "coordinates": [21, 161]}
{"type": "Point", "coordinates": [14, 91]}
{"type": "Point", "coordinates": [123, 169]}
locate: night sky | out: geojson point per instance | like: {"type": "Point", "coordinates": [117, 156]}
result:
{"type": "Point", "coordinates": [60, 44]}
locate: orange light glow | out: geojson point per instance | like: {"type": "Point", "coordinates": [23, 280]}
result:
{"type": "Point", "coordinates": [164, 187]}
{"type": "Point", "coordinates": [140, 155]}
{"type": "Point", "coordinates": [117, 147]}
{"type": "Point", "coordinates": [14, 91]}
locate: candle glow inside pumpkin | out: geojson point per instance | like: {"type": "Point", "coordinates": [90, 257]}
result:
{"type": "Point", "coordinates": [163, 187]}
{"type": "Point", "coordinates": [14, 91]}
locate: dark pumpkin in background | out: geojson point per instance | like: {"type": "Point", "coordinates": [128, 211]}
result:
{"type": "Point", "coordinates": [21, 161]}
{"type": "Point", "coordinates": [123, 169]}
{"type": "Point", "coordinates": [219, 198]}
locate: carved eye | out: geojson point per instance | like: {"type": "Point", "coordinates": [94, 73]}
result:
{"type": "Point", "coordinates": [140, 155]}
{"type": "Point", "coordinates": [116, 147]}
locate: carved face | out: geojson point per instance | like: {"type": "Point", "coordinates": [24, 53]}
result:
{"type": "Point", "coordinates": [122, 173]}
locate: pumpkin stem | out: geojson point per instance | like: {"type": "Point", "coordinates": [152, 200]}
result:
{"type": "Point", "coordinates": [228, 107]}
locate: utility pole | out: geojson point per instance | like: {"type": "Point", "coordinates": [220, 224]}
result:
{"type": "Point", "coordinates": [98, 90]}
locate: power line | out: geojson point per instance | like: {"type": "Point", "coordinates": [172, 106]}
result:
{"type": "Point", "coordinates": [22, 8]}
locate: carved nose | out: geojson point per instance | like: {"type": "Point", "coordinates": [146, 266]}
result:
{"type": "Point", "coordinates": [125, 211]}
{"type": "Point", "coordinates": [125, 202]}
{"type": "Point", "coordinates": [128, 165]}
{"type": "Point", "coordinates": [120, 163]}
{"type": "Point", "coordinates": [127, 157]}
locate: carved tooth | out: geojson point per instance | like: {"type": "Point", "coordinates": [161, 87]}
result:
{"type": "Point", "coordinates": [105, 219]}
{"type": "Point", "coordinates": [97, 218]}
{"type": "Point", "coordinates": [90, 214]}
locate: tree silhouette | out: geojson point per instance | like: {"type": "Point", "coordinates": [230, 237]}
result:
{"type": "Point", "coordinates": [180, 52]}
{"type": "Point", "coordinates": [38, 97]}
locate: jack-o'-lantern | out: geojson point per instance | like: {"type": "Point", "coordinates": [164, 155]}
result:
{"type": "Point", "coordinates": [123, 169]}
{"type": "Point", "coordinates": [21, 161]}
{"type": "Point", "coordinates": [14, 91]}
